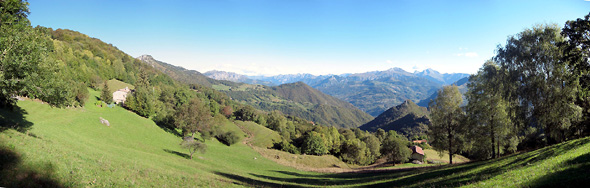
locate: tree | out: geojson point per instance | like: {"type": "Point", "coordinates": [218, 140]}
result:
{"type": "Point", "coordinates": [142, 100]}
{"type": "Point", "coordinates": [227, 111]}
{"type": "Point", "coordinates": [106, 95]}
{"type": "Point", "coordinates": [192, 117]}
{"type": "Point", "coordinates": [193, 146]}
{"type": "Point", "coordinates": [246, 113]}
{"type": "Point", "coordinates": [576, 57]}
{"type": "Point", "coordinates": [276, 121]}
{"type": "Point", "coordinates": [24, 68]}
{"type": "Point", "coordinates": [487, 110]}
{"type": "Point", "coordinates": [354, 151]}
{"type": "Point", "coordinates": [395, 148]}
{"type": "Point", "coordinates": [314, 144]}
{"type": "Point", "coordinates": [539, 82]}
{"type": "Point", "coordinates": [373, 146]}
{"type": "Point", "coordinates": [447, 131]}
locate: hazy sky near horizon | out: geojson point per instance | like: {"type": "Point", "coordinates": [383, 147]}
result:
{"type": "Point", "coordinates": [270, 37]}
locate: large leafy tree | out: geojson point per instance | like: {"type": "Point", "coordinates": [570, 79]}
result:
{"type": "Point", "coordinates": [576, 56]}
{"type": "Point", "coordinates": [395, 148]}
{"type": "Point", "coordinates": [447, 130]}
{"type": "Point", "coordinates": [314, 144]}
{"type": "Point", "coordinates": [192, 117]}
{"type": "Point", "coordinates": [540, 83]}
{"type": "Point", "coordinates": [24, 67]}
{"type": "Point", "coordinates": [488, 111]}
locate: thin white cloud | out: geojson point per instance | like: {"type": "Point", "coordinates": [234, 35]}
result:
{"type": "Point", "coordinates": [468, 54]}
{"type": "Point", "coordinates": [471, 54]}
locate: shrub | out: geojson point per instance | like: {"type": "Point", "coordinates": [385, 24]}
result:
{"type": "Point", "coordinates": [286, 146]}
{"type": "Point", "coordinates": [229, 138]}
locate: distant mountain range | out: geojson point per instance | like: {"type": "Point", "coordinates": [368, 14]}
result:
{"type": "Point", "coordinates": [372, 92]}
{"type": "Point", "coordinates": [295, 99]}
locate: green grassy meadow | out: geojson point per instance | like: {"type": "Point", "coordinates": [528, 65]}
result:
{"type": "Point", "coordinates": [71, 148]}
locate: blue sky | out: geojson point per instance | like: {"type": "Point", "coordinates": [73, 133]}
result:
{"type": "Point", "coordinates": [273, 37]}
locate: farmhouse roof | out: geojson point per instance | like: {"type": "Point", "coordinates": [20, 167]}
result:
{"type": "Point", "coordinates": [417, 149]}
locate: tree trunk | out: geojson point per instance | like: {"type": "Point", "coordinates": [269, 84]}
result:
{"type": "Point", "coordinates": [498, 153]}
{"type": "Point", "coordinates": [450, 148]}
{"type": "Point", "coordinates": [492, 135]}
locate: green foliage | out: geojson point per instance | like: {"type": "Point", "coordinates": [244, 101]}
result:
{"type": "Point", "coordinates": [285, 145]}
{"type": "Point", "coordinates": [355, 151]}
{"type": "Point", "coordinates": [373, 148]}
{"type": "Point", "coordinates": [192, 117]}
{"type": "Point", "coordinates": [576, 53]}
{"type": "Point", "coordinates": [246, 113]}
{"type": "Point", "coordinates": [447, 131]}
{"type": "Point", "coordinates": [538, 82]}
{"type": "Point", "coordinates": [25, 67]}
{"type": "Point", "coordinates": [193, 146]}
{"type": "Point", "coordinates": [229, 138]}
{"type": "Point", "coordinates": [314, 144]}
{"type": "Point", "coordinates": [490, 125]}
{"type": "Point", "coordinates": [106, 95]}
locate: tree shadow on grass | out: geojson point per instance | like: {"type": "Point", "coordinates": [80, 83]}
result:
{"type": "Point", "coordinates": [576, 174]}
{"type": "Point", "coordinates": [183, 155]}
{"type": "Point", "coordinates": [246, 181]}
{"type": "Point", "coordinates": [14, 174]}
{"type": "Point", "coordinates": [167, 125]}
{"type": "Point", "coordinates": [14, 119]}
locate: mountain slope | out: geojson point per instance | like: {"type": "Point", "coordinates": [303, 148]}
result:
{"type": "Point", "coordinates": [406, 118]}
{"type": "Point", "coordinates": [444, 79]}
{"type": "Point", "coordinates": [178, 73]}
{"type": "Point", "coordinates": [230, 76]}
{"type": "Point", "coordinates": [375, 92]}
{"type": "Point", "coordinates": [299, 99]}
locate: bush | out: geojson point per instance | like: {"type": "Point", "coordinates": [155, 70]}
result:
{"type": "Point", "coordinates": [229, 138]}
{"type": "Point", "coordinates": [286, 146]}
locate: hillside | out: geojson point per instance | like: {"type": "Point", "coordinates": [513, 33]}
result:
{"type": "Point", "coordinates": [378, 91]}
{"type": "Point", "coordinates": [299, 99]}
{"type": "Point", "coordinates": [70, 148]}
{"type": "Point", "coordinates": [179, 73]}
{"type": "Point", "coordinates": [406, 118]}
{"type": "Point", "coordinates": [292, 99]}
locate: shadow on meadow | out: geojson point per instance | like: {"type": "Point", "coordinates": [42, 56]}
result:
{"type": "Point", "coordinates": [14, 119]}
{"type": "Point", "coordinates": [245, 181]}
{"type": "Point", "coordinates": [183, 155]}
{"type": "Point", "coordinates": [575, 174]}
{"type": "Point", "coordinates": [14, 174]}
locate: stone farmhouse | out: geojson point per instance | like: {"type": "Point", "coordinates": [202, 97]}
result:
{"type": "Point", "coordinates": [120, 95]}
